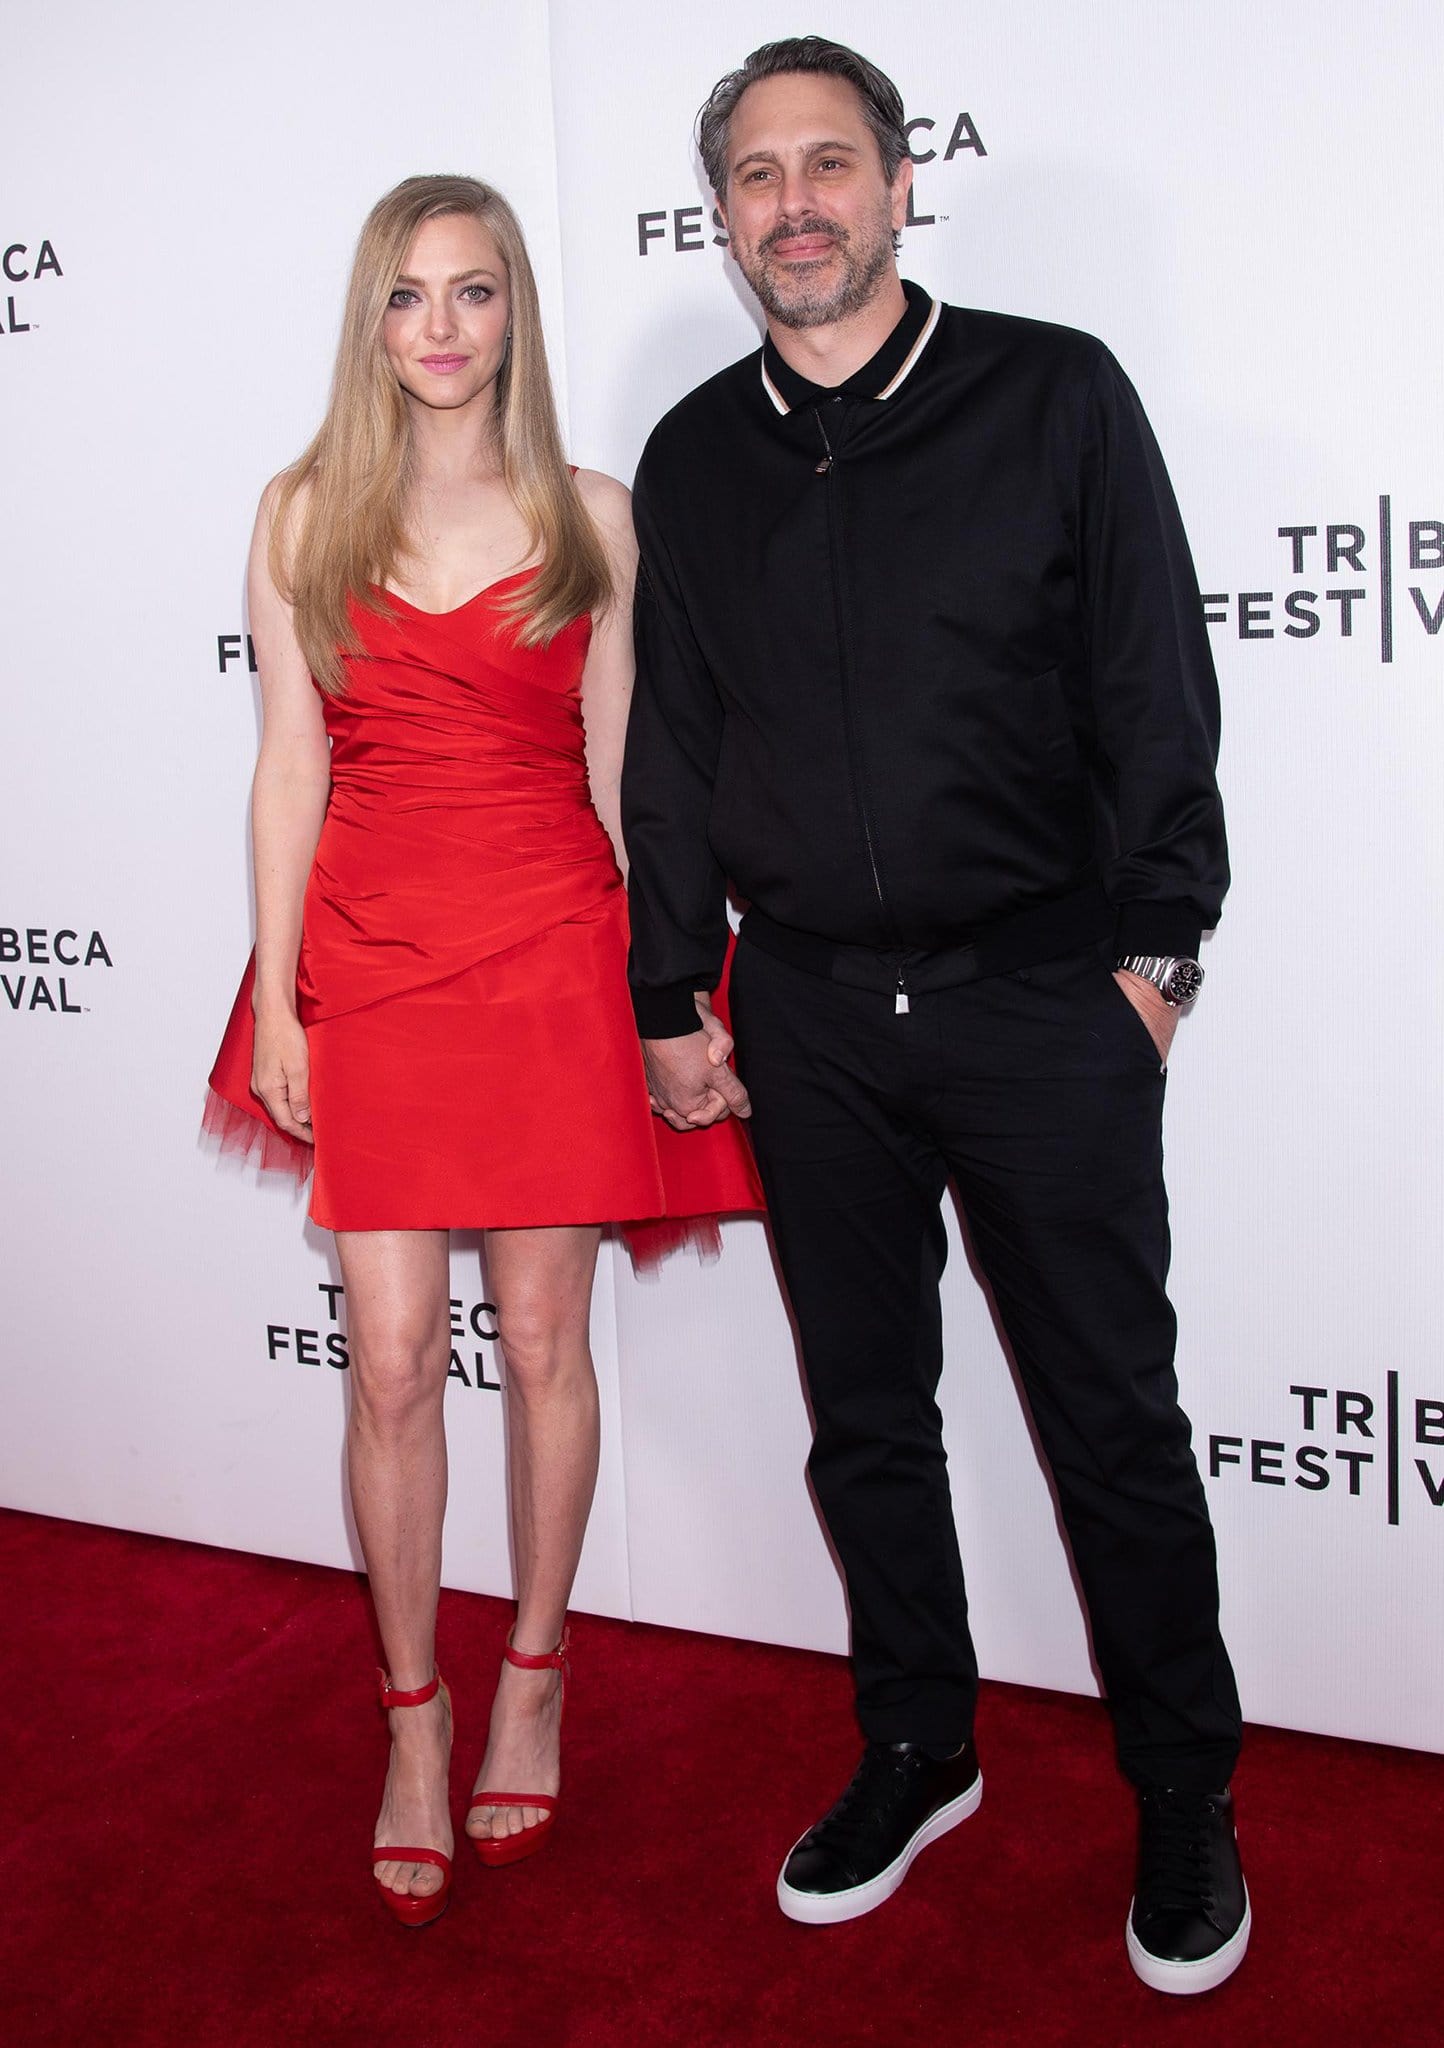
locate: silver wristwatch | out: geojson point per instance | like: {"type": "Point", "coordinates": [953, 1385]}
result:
{"type": "Point", "coordinates": [1177, 980]}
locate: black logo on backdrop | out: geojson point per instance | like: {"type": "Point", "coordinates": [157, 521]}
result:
{"type": "Point", "coordinates": [472, 1322]}
{"type": "Point", "coordinates": [26, 948]}
{"type": "Point", "coordinates": [1349, 1442]}
{"type": "Point", "coordinates": [1350, 582]}
{"type": "Point", "coordinates": [234, 648]}
{"type": "Point", "coordinates": [679, 229]}
{"type": "Point", "coordinates": [25, 263]}
{"type": "Point", "coordinates": [927, 146]}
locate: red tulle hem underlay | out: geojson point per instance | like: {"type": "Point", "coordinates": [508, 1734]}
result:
{"type": "Point", "coordinates": [650, 1243]}
{"type": "Point", "coordinates": [246, 1138]}
{"type": "Point", "coordinates": [240, 1136]}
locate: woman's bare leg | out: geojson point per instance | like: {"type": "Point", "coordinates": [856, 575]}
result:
{"type": "Point", "coordinates": [542, 1283]}
{"type": "Point", "coordinates": [398, 1316]}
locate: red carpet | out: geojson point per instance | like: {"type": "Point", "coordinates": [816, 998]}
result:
{"type": "Point", "coordinates": [195, 1757]}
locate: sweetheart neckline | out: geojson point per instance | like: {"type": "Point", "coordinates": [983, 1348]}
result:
{"type": "Point", "coordinates": [452, 610]}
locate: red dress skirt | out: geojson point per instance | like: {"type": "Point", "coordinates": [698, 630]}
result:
{"type": "Point", "coordinates": [462, 974]}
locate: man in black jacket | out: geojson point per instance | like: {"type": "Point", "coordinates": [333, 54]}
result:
{"type": "Point", "coordinates": [922, 671]}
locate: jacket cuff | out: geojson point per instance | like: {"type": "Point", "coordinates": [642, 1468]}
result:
{"type": "Point", "coordinates": [665, 1012]}
{"type": "Point", "coordinates": [1160, 930]}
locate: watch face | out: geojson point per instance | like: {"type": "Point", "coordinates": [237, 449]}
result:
{"type": "Point", "coordinates": [1184, 983]}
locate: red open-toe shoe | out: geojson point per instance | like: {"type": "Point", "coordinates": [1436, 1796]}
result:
{"type": "Point", "coordinates": [496, 1850]}
{"type": "Point", "coordinates": [410, 1910]}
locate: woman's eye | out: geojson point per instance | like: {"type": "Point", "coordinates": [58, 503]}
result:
{"type": "Point", "coordinates": [478, 294]}
{"type": "Point", "coordinates": [402, 297]}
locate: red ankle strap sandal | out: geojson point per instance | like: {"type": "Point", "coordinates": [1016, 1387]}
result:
{"type": "Point", "coordinates": [497, 1850]}
{"type": "Point", "coordinates": [409, 1908]}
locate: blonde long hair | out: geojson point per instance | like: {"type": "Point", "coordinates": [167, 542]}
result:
{"type": "Point", "coordinates": [340, 522]}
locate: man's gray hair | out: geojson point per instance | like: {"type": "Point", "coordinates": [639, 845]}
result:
{"type": "Point", "coordinates": [881, 100]}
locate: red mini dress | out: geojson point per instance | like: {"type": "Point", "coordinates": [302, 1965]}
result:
{"type": "Point", "coordinates": [462, 973]}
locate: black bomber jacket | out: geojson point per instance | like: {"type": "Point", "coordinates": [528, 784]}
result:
{"type": "Point", "coordinates": [921, 664]}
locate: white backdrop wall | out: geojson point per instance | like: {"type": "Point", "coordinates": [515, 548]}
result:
{"type": "Point", "coordinates": [1241, 203]}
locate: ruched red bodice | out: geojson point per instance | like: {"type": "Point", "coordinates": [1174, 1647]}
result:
{"type": "Point", "coordinates": [460, 819]}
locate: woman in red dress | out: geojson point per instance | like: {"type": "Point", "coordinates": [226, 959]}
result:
{"type": "Point", "coordinates": [437, 1011]}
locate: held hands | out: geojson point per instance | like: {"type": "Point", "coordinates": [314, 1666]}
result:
{"type": "Point", "coordinates": [1160, 1017]}
{"type": "Point", "coordinates": [281, 1072]}
{"type": "Point", "coordinates": [689, 1080]}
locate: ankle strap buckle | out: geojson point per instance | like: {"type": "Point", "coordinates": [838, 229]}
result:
{"type": "Point", "coordinates": [554, 1660]}
{"type": "Point", "coordinates": [393, 1696]}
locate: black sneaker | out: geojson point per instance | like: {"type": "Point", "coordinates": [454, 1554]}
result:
{"type": "Point", "coordinates": [900, 1799]}
{"type": "Point", "coordinates": [1189, 1922]}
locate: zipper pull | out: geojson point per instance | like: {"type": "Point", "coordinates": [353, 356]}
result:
{"type": "Point", "coordinates": [900, 1007]}
{"type": "Point", "coordinates": [825, 464]}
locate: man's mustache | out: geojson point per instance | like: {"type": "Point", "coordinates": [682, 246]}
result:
{"type": "Point", "coordinates": [796, 231]}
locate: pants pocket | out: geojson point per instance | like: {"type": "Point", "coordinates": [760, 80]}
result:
{"type": "Point", "coordinates": [1143, 1037]}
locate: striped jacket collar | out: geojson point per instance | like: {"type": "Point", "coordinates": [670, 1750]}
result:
{"type": "Point", "coordinates": [881, 377]}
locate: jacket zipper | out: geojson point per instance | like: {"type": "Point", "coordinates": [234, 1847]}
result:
{"type": "Point", "coordinates": [825, 469]}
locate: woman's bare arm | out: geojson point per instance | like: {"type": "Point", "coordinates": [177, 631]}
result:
{"type": "Point", "coordinates": [610, 669]}
{"type": "Point", "coordinates": [288, 803]}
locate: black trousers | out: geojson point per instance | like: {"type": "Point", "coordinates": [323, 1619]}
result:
{"type": "Point", "coordinates": [1040, 1094]}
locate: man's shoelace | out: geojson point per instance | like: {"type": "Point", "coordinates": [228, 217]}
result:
{"type": "Point", "coordinates": [875, 1786]}
{"type": "Point", "coordinates": [1175, 1861]}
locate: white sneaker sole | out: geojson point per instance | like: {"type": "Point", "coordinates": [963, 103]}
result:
{"type": "Point", "coordinates": [1182, 1979]}
{"type": "Point", "coordinates": [827, 1909]}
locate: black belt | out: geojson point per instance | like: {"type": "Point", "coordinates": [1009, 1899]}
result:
{"type": "Point", "coordinates": [1068, 924]}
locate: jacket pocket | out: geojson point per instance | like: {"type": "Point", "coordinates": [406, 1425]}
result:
{"type": "Point", "coordinates": [1022, 791]}
{"type": "Point", "coordinates": [1049, 714]}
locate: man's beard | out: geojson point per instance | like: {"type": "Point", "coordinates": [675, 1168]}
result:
{"type": "Point", "coordinates": [790, 298]}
